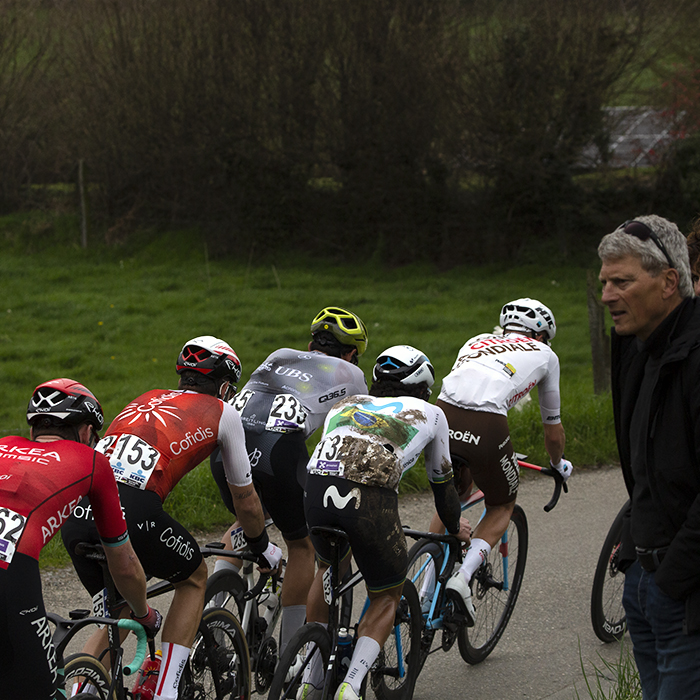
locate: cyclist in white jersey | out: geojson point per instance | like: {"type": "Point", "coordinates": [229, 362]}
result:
{"type": "Point", "coordinates": [368, 442]}
{"type": "Point", "coordinates": [283, 403]}
{"type": "Point", "coordinates": [491, 374]}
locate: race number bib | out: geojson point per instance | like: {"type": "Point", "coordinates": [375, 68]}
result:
{"type": "Point", "coordinates": [326, 461]}
{"type": "Point", "coordinates": [240, 400]}
{"type": "Point", "coordinates": [238, 540]}
{"type": "Point", "coordinates": [287, 414]}
{"type": "Point", "coordinates": [132, 459]}
{"type": "Point", "coordinates": [11, 526]}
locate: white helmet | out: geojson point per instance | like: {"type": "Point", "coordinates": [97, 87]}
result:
{"type": "Point", "coordinates": [528, 314]}
{"type": "Point", "coordinates": [405, 363]}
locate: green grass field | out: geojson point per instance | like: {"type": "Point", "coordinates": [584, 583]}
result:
{"type": "Point", "coordinates": [116, 318]}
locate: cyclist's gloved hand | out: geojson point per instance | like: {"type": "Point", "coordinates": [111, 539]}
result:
{"type": "Point", "coordinates": [270, 558]}
{"type": "Point", "coordinates": [151, 621]}
{"type": "Point", "coordinates": [565, 468]}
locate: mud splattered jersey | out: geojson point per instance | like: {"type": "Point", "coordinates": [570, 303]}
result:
{"type": "Point", "coordinates": [294, 390]}
{"type": "Point", "coordinates": [162, 435]}
{"type": "Point", "coordinates": [493, 372]}
{"type": "Point", "coordinates": [40, 485]}
{"type": "Point", "coordinates": [373, 441]}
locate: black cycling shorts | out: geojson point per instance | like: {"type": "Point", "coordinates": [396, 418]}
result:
{"type": "Point", "coordinates": [483, 441]}
{"type": "Point", "coordinates": [370, 517]}
{"type": "Point", "coordinates": [278, 464]}
{"type": "Point", "coordinates": [165, 548]}
{"type": "Point", "coordinates": [27, 657]}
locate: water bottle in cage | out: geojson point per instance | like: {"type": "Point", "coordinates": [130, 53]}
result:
{"type": "Point", "coordinates": [344, 651]}
{"type": "Point", "coordinates": [270, 600]}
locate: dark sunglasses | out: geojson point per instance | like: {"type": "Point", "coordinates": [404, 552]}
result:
{"type": "Point", "coordinates": [644, 233]}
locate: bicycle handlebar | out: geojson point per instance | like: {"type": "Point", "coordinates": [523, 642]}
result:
{"type": "Point", "coordinates": [559, 482]}
{"type": "Point", "coordinates": [141, 644]}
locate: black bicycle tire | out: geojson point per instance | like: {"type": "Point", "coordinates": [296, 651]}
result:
{"type": "Point", "coordinates": [493, 610]}
{"type": "Point", "coordinates": [199, 681]}
{"type": "Point", "coordinates": [383, 678]}
{"type": "Point", "coordinates": [607, 614]}
{"type": "Point", "coordinates": [416, 574]}
{"type": "Point", "coordinates": [82, 664]}
{"type": "Point", "coordinates": [226, 581]}
{"type": "Point", "coordinates": [310, 632]}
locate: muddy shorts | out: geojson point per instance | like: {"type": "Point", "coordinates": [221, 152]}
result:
{"type": "Point", "coordinates": [370, 516]}
{"type": "Point", "coordinates": [480, 443]}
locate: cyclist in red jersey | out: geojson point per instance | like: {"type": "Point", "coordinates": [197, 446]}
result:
{"type": "Point", "coordinates": [151, 445]}
{"type": "Point", "coordinates": [42, 479]}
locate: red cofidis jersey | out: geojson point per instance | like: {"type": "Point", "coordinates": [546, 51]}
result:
{"type": "Point", "coordinates": [162, 435]}
{"type": "Point", "coordinates": [41, 483]}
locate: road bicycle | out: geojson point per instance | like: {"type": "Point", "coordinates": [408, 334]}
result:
{"type": "Point", "coordinates": [392, 676]}
{"type": "Point", "coordinates": [87, 672]}
{"type": "Point", "coordinates": [257, 604]}
{"type": "Point", "coordinates": [495, 584]}
{"type": "Point", "coordinates": [218, 665]}
{"type": "Point", "coordinates": [607, 614]}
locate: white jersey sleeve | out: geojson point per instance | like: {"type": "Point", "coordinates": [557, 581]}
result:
{"type": "Point", "coordinates": [233, 451]}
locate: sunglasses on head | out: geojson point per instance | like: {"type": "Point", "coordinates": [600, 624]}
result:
{"type": "Point", "coordinates": [644, 233]}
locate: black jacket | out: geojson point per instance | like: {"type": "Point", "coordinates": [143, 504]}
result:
{"type": "Point", "coordinates": [673, 442]}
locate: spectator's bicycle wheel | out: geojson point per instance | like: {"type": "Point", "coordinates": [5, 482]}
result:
{"type": "Point", "coordinates": [607, 614]}
{"type": "Point", "coordinates": [495, 588]}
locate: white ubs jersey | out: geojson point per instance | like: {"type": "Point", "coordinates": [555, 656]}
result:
{"type": "Point", "coordinates": [293, 390]}
{"type": "Point", "coordinates": [493, 372]}
{"type": "Point", "coordinates": [373, 440]}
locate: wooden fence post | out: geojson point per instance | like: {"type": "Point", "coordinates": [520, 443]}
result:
{"type": "Point", "coordinates": [600, 341]}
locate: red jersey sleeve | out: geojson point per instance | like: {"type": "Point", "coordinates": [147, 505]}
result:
{"type": "Point", "coordinates": [106, 506]}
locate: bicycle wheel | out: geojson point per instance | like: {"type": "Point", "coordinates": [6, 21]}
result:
{"type": "Point", "coordinates": [225, 589]}
{"type": "Point", "coordinates": [219, 665]}
{"type": "Point", "coordinates": [307, 643]}
{"type": "Point", "coordinates": [495, 588]}
{"type": "Point", "coordinates": [92, 675]}
{"type": "Point", "coordinates": [607, 614]}
{"type": "Point", "coordinates": [425, 561]}
{"type": "Point", "coordinates": [395, 672]}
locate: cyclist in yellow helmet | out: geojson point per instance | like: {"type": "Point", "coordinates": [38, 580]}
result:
{"type": "Point", "coordinates": [284, 402]}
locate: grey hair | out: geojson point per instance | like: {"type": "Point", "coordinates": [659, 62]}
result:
{"type": "Point", "coordinates": [618, 245]}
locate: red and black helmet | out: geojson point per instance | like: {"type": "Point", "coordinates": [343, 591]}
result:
{"type": "Point", "coordinates": [211, 357]}
{"type": "Point", "coordinates": [67, 401]}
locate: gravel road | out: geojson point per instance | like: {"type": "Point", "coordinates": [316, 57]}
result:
{"type": "Point", "coordinates": [549, 636]}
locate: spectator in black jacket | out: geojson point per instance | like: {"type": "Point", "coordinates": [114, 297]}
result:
{"type": "Point", "coordinates": [656, 399]}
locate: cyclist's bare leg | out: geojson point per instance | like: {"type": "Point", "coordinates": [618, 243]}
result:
{"type": "Point", "coordinates": [316, 607]}
{"type": "Point", "coordinates": [378, 621]}
{"type": "Point", "coordinates": [226, 539]}
{"type": "Point", "coordinates": [182, 621]}
{"type": "Point", "coordinates": [297, 581]}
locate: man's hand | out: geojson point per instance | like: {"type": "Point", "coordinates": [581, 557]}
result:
{"type": "Point", "coordinates": [565, 468]}
{"type": "Point", "coordinates": [270, 559]}
{"type": "Point", "coordinates": [151, 622]}
{"type": "Point", "coordinates": [465, 531]}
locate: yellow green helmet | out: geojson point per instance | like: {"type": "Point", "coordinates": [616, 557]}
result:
{"type": "Point", "coordinates": [347, 328]}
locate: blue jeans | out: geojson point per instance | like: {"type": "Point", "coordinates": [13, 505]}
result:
{"type": "Point", "coordinates": [667, 659]}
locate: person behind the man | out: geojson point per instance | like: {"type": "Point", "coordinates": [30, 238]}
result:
{"type": "Point", "coordinates": [368, 442]}
{"type": "Point", "coordinates": [283, 403]}
{"type": "Point", "coordinates": [157, 439]}
{"type": "Point", "coordinates": [41, 477]}
{"type": "Point", "coordinates": [656, 402]}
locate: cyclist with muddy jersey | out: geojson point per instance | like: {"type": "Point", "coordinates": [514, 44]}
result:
{"type": "Point", "coordinates": [491, 374]}
{"type": "Point", "coordinates": [283, 403]}
{"type": "Point", "coordinates": [157, 439]}
{"type": "Point", "coordinates": [368, 443]}
{"type": "Point", "coordinates": [42, 479]}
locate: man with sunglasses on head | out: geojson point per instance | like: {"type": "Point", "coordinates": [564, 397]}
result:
{"type": "Point", "coordinates": [157, 439]}
{"type": "Point", "coordinates": [283, 404]}
{"type": "Point", "coordinates": [647, 287]}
